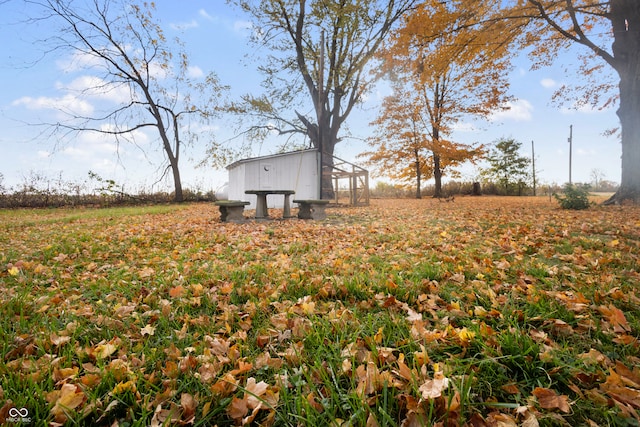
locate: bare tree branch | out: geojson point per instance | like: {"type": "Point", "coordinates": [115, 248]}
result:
{"type": "Point", "coordinates": [130, 49]}
{"type": "Point", "coordinates": [294, 30]}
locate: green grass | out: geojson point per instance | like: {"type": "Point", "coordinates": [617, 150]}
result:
{"type": "Point", "coordinates": [342, 322]}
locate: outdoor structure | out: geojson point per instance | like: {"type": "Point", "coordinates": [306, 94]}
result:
{"type": "Point", "coordinates": [357, 182]}
{"type": "Point", "coordinates": [295, 170]}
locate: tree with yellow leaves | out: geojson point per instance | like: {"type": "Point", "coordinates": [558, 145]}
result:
{"type": "Point", "coordinates": [405, 150]}
{"type": "Point", "coordinates": [444, 66]}
{"type": "Point", "coordinates": [400, 145]}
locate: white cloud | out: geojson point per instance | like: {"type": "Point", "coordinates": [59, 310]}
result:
{"type": "Point", "coordinates": [76, 153]}
{"type": "Point", "coordinates": [78, 61]}
{"type": "Point", "coordinates": [183, 26]}
{"type": "Point", "coordinates": [464, 127]}
{"type": "Point", "coordinates": [64, 103]}
{"type": "Point", "coordinates": [383, 89]}
{"type": "Point", "coordinates": [584, 108]}
{"type": "Point", "coordinates": [583, 152]}
{"type": "Point", "coordinates": [140, 136]}
{"type": "Point", "coordinates": [98, 88]}
{"type": "Point", "coordinates": [548, 83]}
{"type": "Point", "coordinates": [519, 110]}
{"type": "Point", "coordinates": [103, 166]}
{"type": "Point", "coordinates": [188, 25]}
{"type": "Point", "coordinates": [93, 147]}
{"type": "Point", "coordinates": [205, 128]}
{"type": "Point", "coordinates": [92, 144]}
{"type": "Point", "coordinates": [203, 13]}
{"type": "Point", "coordinates": [242, 26]}
{"type": "Point", "coordinates": [195, 72]}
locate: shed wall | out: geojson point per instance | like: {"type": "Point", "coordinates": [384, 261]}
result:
{"type": "Point", "coordinates": [296, 171]}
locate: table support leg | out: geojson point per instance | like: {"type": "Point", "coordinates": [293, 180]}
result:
{"type": "Point", "coordinates": [261, 206]}
{"type": "Point", "coordinates": [286, 210]}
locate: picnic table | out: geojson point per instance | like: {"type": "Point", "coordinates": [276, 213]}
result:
{"type": "Point", "coordinates": [261, 203]}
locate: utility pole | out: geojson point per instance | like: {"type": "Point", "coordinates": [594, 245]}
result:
{"type": "Point", "coordinates": [533, 164]}
{"type": "Point", "coordinates": [570, 149]}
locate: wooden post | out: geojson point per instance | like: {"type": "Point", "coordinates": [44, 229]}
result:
{"type": "Point", "coordinates": [570, 149]}
{"type": "Point", "coordinates": [533, 163]}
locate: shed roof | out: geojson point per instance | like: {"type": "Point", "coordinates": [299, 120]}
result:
{"type": "Point", "coordinates": [270, 156]}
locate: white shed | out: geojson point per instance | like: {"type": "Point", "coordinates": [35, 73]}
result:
{"type": "Point", "coordinates": [296, 170]}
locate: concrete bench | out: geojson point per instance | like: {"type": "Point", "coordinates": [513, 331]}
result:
{"type": "Point", "coordinates": [231, 210]}
{"type": "Point", "coordinates": [311, 209]}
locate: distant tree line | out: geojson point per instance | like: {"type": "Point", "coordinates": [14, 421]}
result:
{"type": "Point", "coordinates": [37, 190]}
{"type": "Point", "coordinates": [386, 190]}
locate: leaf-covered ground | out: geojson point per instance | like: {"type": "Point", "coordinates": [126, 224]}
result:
{"type": "Point", "coordinates": [480, 312]}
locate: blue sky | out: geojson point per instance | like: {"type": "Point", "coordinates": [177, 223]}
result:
{"type": "Point", "coordinates": [215, 36]}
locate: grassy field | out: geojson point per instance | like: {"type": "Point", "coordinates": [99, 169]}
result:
{"type": "Point", "coordinates": [480, 312]}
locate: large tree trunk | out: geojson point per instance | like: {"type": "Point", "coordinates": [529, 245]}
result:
{"type": "Point", "coordinates": [173, 159]}
{"type": "Point", "coordinates": [324, 139]}
{"type": "Point", "coordinates": [177, 183]}
{"type": "Point", "coordinates": [625, 18]}
{"type": "Point", "coordinates": [629, 114]}
{"type": "Point", "coordinates": [327, 192]}
{"type": "Point", "coordinates": [326, 143]}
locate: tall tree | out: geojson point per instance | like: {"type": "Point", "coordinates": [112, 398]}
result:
{"type": "Point", "coordinates": [451, 67]}
{"type": "Point", "coordinates": [319, 53]}
{"type": "Point", "coordinates": [400, 144]}
{"type": "Point", "coordinates": [129, 49]}
{"type": "Point", "coordinates": [610, 32]}
{"type": "Point", "coordinates": [404, 146]}
{"type": "Point", "coordinates": [507, 165]}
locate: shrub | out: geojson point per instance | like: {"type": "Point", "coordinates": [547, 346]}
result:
{"type": "Point", "coordinates": [575, 196]}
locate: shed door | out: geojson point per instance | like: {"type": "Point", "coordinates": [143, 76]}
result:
{"type": "Point", "coordinates": [266, 174]}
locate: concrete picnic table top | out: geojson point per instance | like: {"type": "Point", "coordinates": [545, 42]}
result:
{"type": "Point", "coordinates": [261, 203]}
{"type": "Point", "coordinates": [285, 192]}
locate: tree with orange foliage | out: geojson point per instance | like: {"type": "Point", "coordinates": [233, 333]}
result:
{"type": "Point", "coordinates": [444, 67]}
{"type": "Point", "coordinates": [404, 148]}
{"type": "Point", "coordinates": [610, 32]}
{"type": "Point", "coordinates": [401, 144]}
